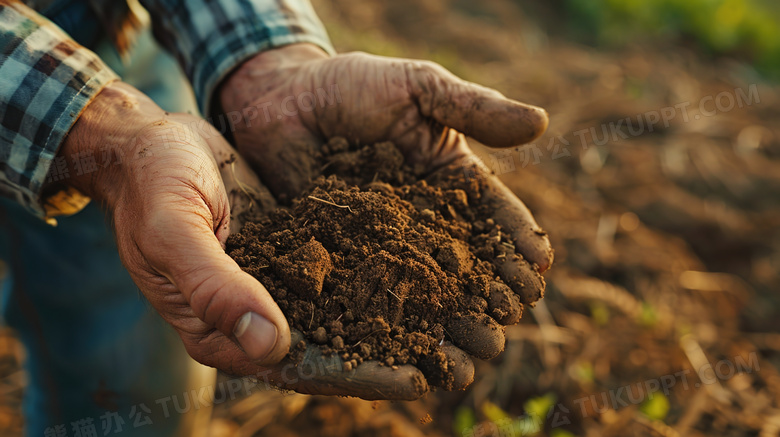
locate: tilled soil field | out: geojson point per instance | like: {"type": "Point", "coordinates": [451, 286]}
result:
{"type": "Point", "coordinates": [661, 310]}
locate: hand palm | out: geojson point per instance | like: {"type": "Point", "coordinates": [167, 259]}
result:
{"type": "Point", "coordinates": [420, 107]}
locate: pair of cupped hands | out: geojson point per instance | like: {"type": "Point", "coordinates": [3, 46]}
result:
{"type": "Point", "coordinates": [177, 195]}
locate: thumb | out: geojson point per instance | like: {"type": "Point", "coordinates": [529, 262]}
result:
{"type": "Point", "coordinates": [479, 112]}
{"type": "Point", "coordinates": [218, 291]}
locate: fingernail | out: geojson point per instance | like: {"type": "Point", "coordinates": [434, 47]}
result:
{"type": "Point", "coordinates": [256, 335]}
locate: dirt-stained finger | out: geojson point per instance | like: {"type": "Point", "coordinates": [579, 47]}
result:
{"type": "Point", "coordinates": [318, 374]}
{"type": "Point", "coordinates": [477, 334]}
{"type": "Point", "coordinates": [514, 217]}
{"type": "Point", "coordinates": [504, 208]}
{"type": "Point", "coordinates": [520, 276]}
{"type": "Point", "coordinates": [462, 367]}
{"type": "Point", "coordinates": [504, 304]}
{"type": "Point", "coordinates": [479, 112]}
{"type": "Point", "coordinates": [452, 369]}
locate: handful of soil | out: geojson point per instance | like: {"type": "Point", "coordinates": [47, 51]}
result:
{"type": "Point", "coordinates": [375, 262]}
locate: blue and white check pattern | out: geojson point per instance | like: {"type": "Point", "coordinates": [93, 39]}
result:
{"type": "Point", "coordinates": [211, 37]}
{"type": "Point", "coordinates": [46, 79]}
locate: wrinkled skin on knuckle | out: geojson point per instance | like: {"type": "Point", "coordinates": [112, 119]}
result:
{"type": "Point", "coordinates": [205, 299]}
{"type": "Point", "coordinates": [211, 348]}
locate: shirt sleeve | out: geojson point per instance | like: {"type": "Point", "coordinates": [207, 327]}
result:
{"type": "Point", "coordinates": [211, 37]}
{"type": "Point", "coordinates": [46, 81]}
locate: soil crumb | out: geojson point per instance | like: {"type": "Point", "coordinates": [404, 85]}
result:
{"type": "Point", "coordinates": [376, 262]}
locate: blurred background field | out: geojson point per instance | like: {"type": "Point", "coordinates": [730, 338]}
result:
{"type": "Point", "coordinates": [667, 241]}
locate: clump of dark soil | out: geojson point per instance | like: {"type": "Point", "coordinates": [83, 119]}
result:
{"type": "Point", "coordinates": [374, 262]}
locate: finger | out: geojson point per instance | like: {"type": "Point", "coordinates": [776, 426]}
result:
{"type": "Point", "coordinates": [514, 217]}
{"type": "Point", "coordinates": [530, 240]}
{"type": "Point", "coordinates": [450, 370]}
{"type": "Point", "coordinates": [182, 246]}
{"type": "Point", "coordinates": [479, 112]}
{"type": "Point", "coordinates": [504, 305]}
{"type": "Point", "coordinates": [461, 366]}
{"type": "Point", "coordinates": [477, 334]}
{"type": "Point", "coordinates": [317, 374]}
{"type": "Point", "coordinates": [231, 359]}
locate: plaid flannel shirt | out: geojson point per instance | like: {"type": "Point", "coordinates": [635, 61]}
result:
{"type": "Point", "coordinates": [46, 79]}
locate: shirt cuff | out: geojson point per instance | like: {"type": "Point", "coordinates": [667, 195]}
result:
{"type": "Point", "coordinates": [66, 201]}
{"type": "Point", "coordinates": [51, 80]}
{"type": "Point", "coordinates": [211, 38]}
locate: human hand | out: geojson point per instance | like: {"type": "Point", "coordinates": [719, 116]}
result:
{"type": "Point", "coordinates": [419, 106]}
{"type": "Point", "coordinates": [173, 201]}
{"type": "Point", "coordinates": [171, 216]}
